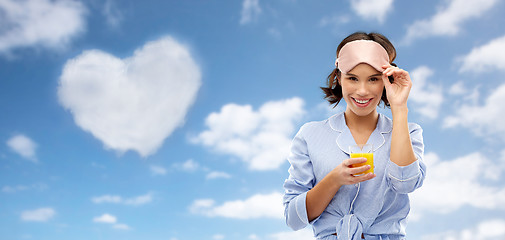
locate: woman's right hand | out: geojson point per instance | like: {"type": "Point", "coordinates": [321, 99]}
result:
{"type": "Point", "coordinates": [320, 196]}
{"type": "Point", "coordinates": [344, 174]}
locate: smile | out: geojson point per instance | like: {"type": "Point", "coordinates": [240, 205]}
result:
{"type": "Point", "coordinates": [362, 102]}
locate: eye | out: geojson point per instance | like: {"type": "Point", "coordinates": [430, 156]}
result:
{"type": "Point", "coordinates": [353, 78]}
{"type": "Point", "coordinates": [373, 79]}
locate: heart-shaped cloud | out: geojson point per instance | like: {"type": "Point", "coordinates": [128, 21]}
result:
{"type": "Point", "coordinates": [132, 103]}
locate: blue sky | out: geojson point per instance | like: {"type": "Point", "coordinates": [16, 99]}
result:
{"type": "Point", "coordinates": [172, 119]}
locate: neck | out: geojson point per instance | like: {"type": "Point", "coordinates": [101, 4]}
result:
{"type": "Point", "coordinates": [365, 123]}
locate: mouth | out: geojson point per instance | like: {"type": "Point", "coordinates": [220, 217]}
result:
{"type": "Point", "coordinates": [362, 102]}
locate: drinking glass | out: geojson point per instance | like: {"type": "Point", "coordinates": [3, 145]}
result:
{"type": "Point", "coordinates": [360, 151]}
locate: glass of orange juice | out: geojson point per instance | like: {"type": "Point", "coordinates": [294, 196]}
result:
{"type": "Point", "coordinates": [359, 151]}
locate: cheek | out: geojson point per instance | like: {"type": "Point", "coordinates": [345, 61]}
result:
{"type": "Point", "coordinates": [346, 87]}
{"type": "Point", "coordinates": [378, 89]}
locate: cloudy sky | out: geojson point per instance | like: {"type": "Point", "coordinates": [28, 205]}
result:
{"type": "Point", "coordinates": [173, 119]}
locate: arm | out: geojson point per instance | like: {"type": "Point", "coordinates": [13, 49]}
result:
{"type": "Point", "coordinates": [397, 93]}
{"type": "Point", "coordinates": [301, 179]}
{"type": "Point", "coordinates": [320, 196]}
{"type": "Point", "coordinates": [402, 152]}
{"type": "Point", "coordinates": [406, 170]}
{"type": "Point", "coordinates": [304, 201]}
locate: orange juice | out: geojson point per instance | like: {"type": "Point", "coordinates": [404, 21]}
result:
{"type": "Point", "coordinates": [369, 161]}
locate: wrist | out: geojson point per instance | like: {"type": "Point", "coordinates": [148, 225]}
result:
{"type": "Point", "coordinates": [335, 183]}
{"type": "Point", "coordinates": [399, 109]}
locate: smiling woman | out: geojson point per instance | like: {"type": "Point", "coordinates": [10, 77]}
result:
{"type": "Point", "coordinates": [324, 187]}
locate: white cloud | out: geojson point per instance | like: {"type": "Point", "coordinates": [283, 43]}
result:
{"type": "Point", "coordinates": [18, 188]}
{"type": "Point", "coordinates": [485, 230]}
{"type": "Point", "coordinates": [135, 201]}
{"type": "Point", "coordinates": [274, 32]}
{"type": "Point", "coordinates": [335, 20]}
{"type": "Point", "coordinates": [112, 13]}
{"type": "Point", "coordinates": [201, 204]}
{"type": "Point", "coordinates": [447, 21]}
{"type": "Point", "coordinates": [96, 165]}
{"type": "Point", "coordinates": [257, 206]}
{"type": "Point", "coordinates": [253, 237]}
{"type": "Point", "coordinates": [461, 183]}
{"type": "Point", "coordinates": [304, 234]}
{"type": "Point", "coordinates": [260, 138]}
{"type": "Point", "coordinates": [111, 219]}
{"type": "Point", "coordinates": [485, 58]}
{"type": "Point", "coordinates": [121, 226]}
{"type": "Point", "coordinates": [107, 199]}
{"type": "Point", "coordinates": [216, 174]}
{"type": "Point", "coordinates": [23, 146]}
{"type": "Point", "coordinates": [189, 166]}
{"type": "Point", "coordinates": [464, 94]}
{"type": "Point", "coordinates": [132, 103]}
{"type": "Point", "coordinates": [250, 11]}
{"type": "Point", "coordinates": [46, 23]}
{"type": "Point", "coordinates": [482, 119]}
{"type": "Point", "coordinates": [105, 218]}
{"type": "Point", "coordinates": [458, 89]}
{"type": "Point", "coordinates": [372, 9]}
{"type": "Point", "coordinates": [157, 170]}
{"type": "Point", "coordinates": [9, 189]}
{"type": "Point", "coordinates": [38, 215]}
{"type": "Point", "coordinates": [218, 237]}
{"type": "Point", "coordinates": [139, 200]}
{"type": "Point", "coordinates": [427, 96]}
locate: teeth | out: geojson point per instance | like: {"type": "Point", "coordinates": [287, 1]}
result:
{"type": "Point", "coordinates": [362, 101]}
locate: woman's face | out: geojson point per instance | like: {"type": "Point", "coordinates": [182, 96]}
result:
{"type": "Point", "coordinates": [362, 89]}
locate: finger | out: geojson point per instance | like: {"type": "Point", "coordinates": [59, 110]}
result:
{"type": "Point", "coordinates": [397, 72]}
{"type": "Point", "coordinates": [385, 79]}
{"type": "Point", "coordinates": [351, 161]}
{"type": "Point", "coordinates": [386, 70]}
{"type": "Point", "coordinates": [360, 169]}
{"type": "Point", "coordinates": [389, 67]}
{"type": "Point", "coordinates": [365, 177]}
{"type": "Point", "coordinates": [389, 71]}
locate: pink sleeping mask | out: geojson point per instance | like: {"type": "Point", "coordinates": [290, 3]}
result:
{"type": "Point", "coordinates": [361, 51]}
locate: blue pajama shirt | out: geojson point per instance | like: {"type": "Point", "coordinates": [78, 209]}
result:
{"type": "Point", "coordinates": [380, 205]}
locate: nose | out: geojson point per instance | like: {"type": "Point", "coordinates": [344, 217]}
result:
{"type": "Point", "coordinates": [362, 89]}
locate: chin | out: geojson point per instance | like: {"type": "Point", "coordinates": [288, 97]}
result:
{"type": "Point", "coordinates": [363, 113]}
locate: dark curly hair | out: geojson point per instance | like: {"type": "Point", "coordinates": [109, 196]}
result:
{"type": "Point", "coordinates": [333, 91]}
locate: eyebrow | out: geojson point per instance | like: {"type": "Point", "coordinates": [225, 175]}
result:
{"type": "Point", "coordinates": [375, 75]}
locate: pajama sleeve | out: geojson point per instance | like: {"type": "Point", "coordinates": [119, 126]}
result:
{"type": "Point", "coordinates": [301, 179]}
{"type": "Point", "coordinates": [406, 179]}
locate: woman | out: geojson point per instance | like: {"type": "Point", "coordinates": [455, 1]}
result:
{"type": "Point", "coordinates": [324, 187]}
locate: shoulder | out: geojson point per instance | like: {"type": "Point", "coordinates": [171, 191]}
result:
{"type": "Point", "coordinates": [315, 127]}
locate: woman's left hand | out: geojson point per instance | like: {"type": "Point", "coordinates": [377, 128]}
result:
{"type": "Point", "coordinates": [398, 91]}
